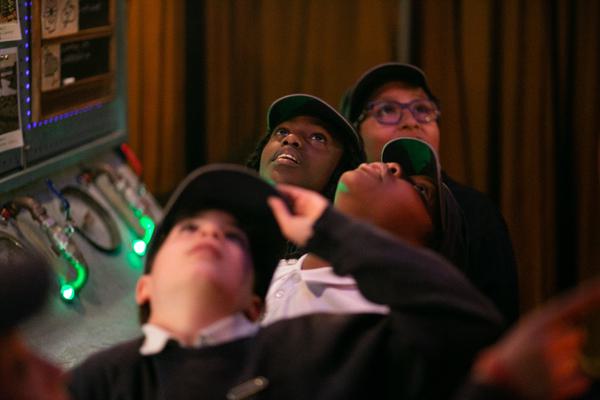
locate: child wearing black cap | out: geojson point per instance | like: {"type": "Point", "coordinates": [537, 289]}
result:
{"type": "Point", "coordinates": [403, 195]}
{"type": "Point", "coordinates": [393, 100]}
{"type": "Point", "coordinates": [307, 144]}
{"type": "Point", "coordinates": [209, 266]}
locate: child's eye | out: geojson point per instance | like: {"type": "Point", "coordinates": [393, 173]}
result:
{"type": "Point", "coordinates": [420, 188]}
{"type": "Point", "coordinates": [237, 237]}
{"type": "Point", "coordinates": [281, 132]}
{"type": "Point", "coordinates": [319, 137]}
{"type": "Point", "coordinates": [426, 194]}
{"type": "Point", "coordinates": [188, 226]}
{"type": "Point", "coordinates": [386, 108]}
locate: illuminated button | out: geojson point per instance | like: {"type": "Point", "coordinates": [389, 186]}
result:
{"type": "Point", "coordinates": [67, 292]}
{"type": "Point", "coordinates": [139, 247]}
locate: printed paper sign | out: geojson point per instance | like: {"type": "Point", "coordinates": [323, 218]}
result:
{"type": "Point", "coordinates": [50, 67]}
{"type": "Point", "coordinates": [10, 28]}
{"type": "Point", "coordinates": [59, 17]}
{"type": "Point", "coordinates": [11, 135]}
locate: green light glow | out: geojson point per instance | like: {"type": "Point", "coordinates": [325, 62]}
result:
{"type": "Point", "coordinates": [148, 225]}
{"type": "Point", "coordinates": [134, 261]}
{"type": "Point", "coordinates": [269, 180]}
{"type": "Point", "coordinates": [139, 247]}
{"type": "Point", "coordinates": [69, 289]}
{"type": "Point", "coordinates": [67, 292]}
{"type": "Point", "coordinates": [342, 188]}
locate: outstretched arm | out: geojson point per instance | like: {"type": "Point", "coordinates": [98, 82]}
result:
{"type": "Point", "coordinates": [387, 270]}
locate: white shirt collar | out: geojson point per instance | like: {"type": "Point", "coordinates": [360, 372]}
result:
{"type": "Point", "coordinates": [224, 330]}
{"type": "Point", "coordinates": [324, 275]}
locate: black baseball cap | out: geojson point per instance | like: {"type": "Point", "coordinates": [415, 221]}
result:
{"type": "Point", "coordinates": [297, 104]}
{"type": "Point", "coordinates": [354, 100]}
{"type": "Point", "coordinates": [25, 280]}
{"type": "Point", "coordinates": [239, 191]}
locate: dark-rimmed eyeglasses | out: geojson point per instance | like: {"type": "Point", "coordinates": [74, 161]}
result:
{"type": "Point", "coordinates": [390, 112]}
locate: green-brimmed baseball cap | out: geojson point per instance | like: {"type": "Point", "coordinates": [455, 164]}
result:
{"type": "Point", "coordinates": [417, 157]}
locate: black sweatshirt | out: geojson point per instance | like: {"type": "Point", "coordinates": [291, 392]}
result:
{"type": "Point", "coordinates": [421, 350]}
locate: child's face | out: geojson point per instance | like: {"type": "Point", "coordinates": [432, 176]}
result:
{"type": "Point", "coordinates": [301, 152]}
{"type": "Point", "coordinates": [205, 257]}
{"type": "Point", "coordinates": [375, 134]}
{"type": "Point", "coordinates": [381, 195]}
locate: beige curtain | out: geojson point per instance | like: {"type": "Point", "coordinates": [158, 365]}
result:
{"type": "Point", "coordinates": [257, 51]}
{"type": "Point", "coordinates": [519, 86]}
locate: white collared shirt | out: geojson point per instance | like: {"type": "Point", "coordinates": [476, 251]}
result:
{"type": "Point", "coordinates": [295, 291]}
{"type": "Point", "coordinates": [224, 330]}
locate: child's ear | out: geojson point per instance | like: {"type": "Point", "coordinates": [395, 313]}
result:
{"type": "Point", "coordinates": [255, 310]}
{"type": "Point", "coordinates": [142, 290]}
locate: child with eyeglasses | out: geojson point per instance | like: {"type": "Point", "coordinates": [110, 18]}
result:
{"type": "Point", "coordinates": [394, 100]}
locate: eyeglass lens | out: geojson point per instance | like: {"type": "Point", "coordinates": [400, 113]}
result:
{"type": "Point", "coordinates": [391, 112]}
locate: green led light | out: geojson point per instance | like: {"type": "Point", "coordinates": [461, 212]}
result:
{"type": "Point", "coordinates": [148, 225]}
{"type": "Point", "coordinates": [139, 247]}
{"type": "Point", "coordinates": [137, 212]}
{"type": "Point", "coordinates": [69, 289]}
{"type": "Point", "coordinates": [67, 292]}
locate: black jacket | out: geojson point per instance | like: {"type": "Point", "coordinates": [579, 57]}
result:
{"type": "Point", "coordinates": [491, 264]}
{"type": "Point", "coordinates": [421, 350]}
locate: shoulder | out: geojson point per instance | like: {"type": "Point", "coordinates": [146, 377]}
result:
{"type": "Point", "coordinates": [310, 326]}
{"type": "Point", "coordinates": [332, 333]}
{"type": "Point", "coordinates": [98, 373]}
{"type": "Point", "coordinates": [473, 202]}
{"type": "Point", "coordinates": [122, 353]}
{"type": "Point", "coordinates": [287, 266]}
{"type": "Point", "coordinates": [464, 193]}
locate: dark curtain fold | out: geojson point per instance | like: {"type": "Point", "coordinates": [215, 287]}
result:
{"type": "Point", "coordinates": [585, 111]}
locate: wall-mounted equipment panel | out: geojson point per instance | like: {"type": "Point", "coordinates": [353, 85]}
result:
{"type": "Point", "coordinates": [66, 190]}
{"type": "Point", "coordinates": [93, 228]}
{"type": "Point", "coordinates": [62, 84]}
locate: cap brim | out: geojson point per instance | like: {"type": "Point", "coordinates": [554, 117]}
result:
{"type": "Point", "coordinates": [294, 105]}
{"type": "Point", "coordinates": [376, 77]}
{"type": "Point", "coordinates": [417, 157]}
{"type": "Point", "coordinates": [24, 284]}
